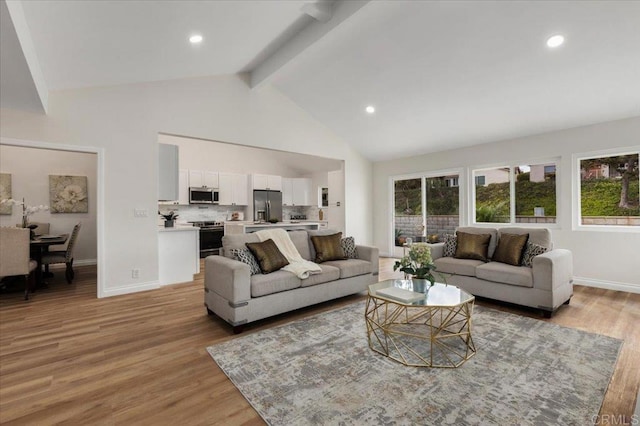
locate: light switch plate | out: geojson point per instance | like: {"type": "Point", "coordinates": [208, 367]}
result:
{"type": "Point", "coordinates": [140, 212]}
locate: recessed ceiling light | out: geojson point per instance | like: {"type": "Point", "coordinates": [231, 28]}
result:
{"type": "Point", "coordinates": [195, 39]}
{"type": "Point", "coordinates": [370, 109]}
{"type": "Point", "coordinates": [555, 41]}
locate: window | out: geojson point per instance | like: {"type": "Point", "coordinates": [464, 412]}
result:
{"type": "Point", "coordinates": [492, 195]}
{"type": "Point", "coordinates": [426, 207]}
{"type": "Point", "coordinates": [609, 190]}
{"type": "Point", "coordinates": [535, 193]}
{"type": "Point", "coordinates": [516, 194]}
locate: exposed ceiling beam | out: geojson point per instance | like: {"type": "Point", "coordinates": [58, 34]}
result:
{"type": "Point", "coordinates": [335, 13]}
{"type": "Point", "coordinates": [26, 43]}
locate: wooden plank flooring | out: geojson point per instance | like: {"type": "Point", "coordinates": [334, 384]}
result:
{"type": "Point", "coordinates": [68, 357]}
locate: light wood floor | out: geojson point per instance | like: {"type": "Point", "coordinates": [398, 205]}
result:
{"type": "Point", "coordinates": [68, 357]}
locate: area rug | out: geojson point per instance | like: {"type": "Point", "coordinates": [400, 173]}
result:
{"type": "Point", "coordinates": [320, 370]}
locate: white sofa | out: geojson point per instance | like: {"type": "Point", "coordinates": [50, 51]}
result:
{"type": "Point", "coordinates": [546, 285]}
{"type": "Point", "coordinates": [238, 297]}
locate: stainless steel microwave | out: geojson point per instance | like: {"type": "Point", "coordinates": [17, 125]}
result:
{"type": "Point", "coordinates": [203, 195]}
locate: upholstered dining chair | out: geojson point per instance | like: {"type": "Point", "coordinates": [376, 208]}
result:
{"type": "Point", "coordinates": [14, 255]}
{"type": "Point", "coordinates": [64, 256]}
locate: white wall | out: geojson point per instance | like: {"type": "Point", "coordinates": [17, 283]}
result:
{"type": "Point", "coordinates": [125, 121]}
{"type": "Point", "coordinates": [30, 169]}
{"type": "Point", "coordinates": [606, 259]}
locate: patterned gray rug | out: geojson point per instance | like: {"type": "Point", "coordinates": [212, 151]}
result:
{"type": "Point", "coordinates": [320, 370]}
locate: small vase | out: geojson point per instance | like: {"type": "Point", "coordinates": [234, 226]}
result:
{"type": "Point", "coordinates": [168, 223]}
{"type": "Point", "coordinates": [421, 285]}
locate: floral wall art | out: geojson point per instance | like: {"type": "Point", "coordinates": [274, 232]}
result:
{"type": "Point", "coordinates": [68, 194]}
{"type": "Point", "coordinates": [5, 192]}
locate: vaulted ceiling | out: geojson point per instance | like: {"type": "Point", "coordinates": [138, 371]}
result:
{"type": "Point", "coordinates": [440, 74]}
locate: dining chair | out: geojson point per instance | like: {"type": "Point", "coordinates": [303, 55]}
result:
{"type": "Point", "coordinates": [63, 256]}
{"type": "Point", "coordinates": [14, 256]}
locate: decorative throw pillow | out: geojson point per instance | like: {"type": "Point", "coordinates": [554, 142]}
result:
{"type": "Point", "coordinates": [245, 256]}
{"type": "Point", "coordinates": [532, 250]}
{"type": "Point", "coordinates": [510, 248]}
{"type": "Point", "coordinates": [268, 256]}
{"type": "Point", "coordinates": [328, 247]}
{"type": "Point", "coordinates": [348, 245]}
{"type": "Point", "coordinates": [450, 243]}
{"type": "Point", "coordinates": [472, 246]}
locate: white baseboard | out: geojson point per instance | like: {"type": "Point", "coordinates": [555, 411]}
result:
{"type": "Point", "coordinates": [609, 285]}
{"type": "Point", "coordinates": [130, 288]}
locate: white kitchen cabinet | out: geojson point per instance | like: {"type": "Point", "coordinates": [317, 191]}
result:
{"type": "Point", "coordinates": [287, 191]}
{"type": "Point", "coordinates": [167, 172]}
{"type": "Point", "coordinates": [233, 189]}
{"type": "Point", "coordinates": [178, 254]}
{"type": "Point", "coordinates": [301, 195]}
{"type": "Point", "coordinates": [272, 182]}
{"type": "Point", "coordinates": [200, 178]}
{"type": "Point", "coordinates": [183, 186]}
{"type": "Point", "coordinates": [296, 192]}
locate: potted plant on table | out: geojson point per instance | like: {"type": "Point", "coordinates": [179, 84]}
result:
{"type": "Point", "coordinates": [169, 218]}
{"type": "Point", "coordinates": [418, 263]}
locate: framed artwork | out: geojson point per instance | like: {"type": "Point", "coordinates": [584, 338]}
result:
{"type": "Point", "coordinates": [5, 193]}
{"type": "Point", "coordinates": [68, 194]}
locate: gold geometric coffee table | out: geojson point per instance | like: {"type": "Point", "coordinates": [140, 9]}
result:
{"type": "Point", "coordinates": [434, 331]}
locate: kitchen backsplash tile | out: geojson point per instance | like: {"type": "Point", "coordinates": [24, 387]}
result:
{"type": "Point", "coordinates": [196, 213]}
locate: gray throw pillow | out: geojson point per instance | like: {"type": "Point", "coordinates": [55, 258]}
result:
{"type": "Point", "coordinates": [245, 256]}
{"type": "Point", "coordinates": [450, 244]}
{"type": "Point", "coordinates": [532, 250]}
{"type": "Point", "coordinates": [349, 247]}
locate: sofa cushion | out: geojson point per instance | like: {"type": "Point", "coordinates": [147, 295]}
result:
{"type": "Point", "coordinates": [510, 248]}
{"type": "Point", "coordinates": [540, 236]}
{"type": "Point", "coordinates": [531, 250]}
{"type": "Point", "coordinates": [506, 274]}
{"type": "Point", "coordinates": [329, 273]}
{"type": "Point", "coordinates": [450, 243]}
{"type": "Point", "coordinates": [328, 247]}
{"type": "Point", "coordinates": [268, 256]}
{"type": "Point", "coordinates": [481, 230]}
{"type": "Point", "coordinates": [349, 247]}
{"type": "Point", "coordinates": [237, 241]}
{"type": "Point", "coordinates": [244, 255]}
{"type": "Point", "coordinates": [472, 246]}
{"type": "Point", "coordinates": [451, 265]}
{"type": "Point", "coordinates": [350, 267]}
{"type": "Point", "coordinates": [264, 284]}
{"type": "Point", "coordinates": [300, 239]}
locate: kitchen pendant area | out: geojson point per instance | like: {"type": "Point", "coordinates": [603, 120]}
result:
{"type": "Point", "coordinates": [228, 188]}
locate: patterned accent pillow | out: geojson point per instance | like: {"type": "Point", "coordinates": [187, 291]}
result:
{"type": "Point", "coordinates": [245, 256]}
{"type": "Point", "coordinates": [328, 247]}
{"type": "Point", "coordinates": [532, 250]}
{"type": "Point", "coordinates": [349, 247]}
{"type": "Point", "coordinates": [269, 257]}
{"type": "Point", "coordinates": [450, 243]}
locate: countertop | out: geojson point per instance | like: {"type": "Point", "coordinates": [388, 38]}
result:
{"type": "Point", "coordinates": [178, 228]}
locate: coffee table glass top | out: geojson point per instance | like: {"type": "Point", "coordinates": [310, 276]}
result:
{"type": "Point", "coordinates": [437, 295]}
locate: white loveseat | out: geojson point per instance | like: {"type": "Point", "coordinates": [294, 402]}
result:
{"type": "Point", "coordinates": [546, 285]}
{"type": "Point", "coordinates": [238, 297]}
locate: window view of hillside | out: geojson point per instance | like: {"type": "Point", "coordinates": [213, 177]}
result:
{"type": "Point", "coordinates": [609, 191]}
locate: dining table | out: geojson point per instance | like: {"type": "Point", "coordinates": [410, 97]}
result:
{"type": "Point", "coordinates": [40, 245]}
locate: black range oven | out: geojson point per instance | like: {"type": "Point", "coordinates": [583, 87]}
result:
{"type": "Point", "coordinates": [211, 234]}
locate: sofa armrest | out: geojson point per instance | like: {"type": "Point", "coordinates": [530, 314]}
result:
{"type": "Point", "coordinates": [437, 250]}
{"type": "Point", "coordinates": [552, 269]}
{"type": "Point", "coordinates": [229, 278]}
{"type": "Point", "coordinates": [370, 254]}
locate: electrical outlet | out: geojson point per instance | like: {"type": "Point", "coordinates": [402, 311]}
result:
{"type": "Point", "coordinates": [140, 213]}
{"type": "Point", "coordinates": [135, 273]}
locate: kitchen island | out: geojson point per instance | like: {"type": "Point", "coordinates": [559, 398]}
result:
{"type": "Point", "coordinates": [248, 227]}
{"type": "Point", "coordinates": [178, 254]}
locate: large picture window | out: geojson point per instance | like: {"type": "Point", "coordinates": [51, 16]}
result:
{"type": "Point", "coordinates": [516, 194]}
{"type": "Point", "coordinates": [609, 190]}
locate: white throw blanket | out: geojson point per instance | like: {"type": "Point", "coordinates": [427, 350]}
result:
{"type": "Point", "coordinates": [297, 265]}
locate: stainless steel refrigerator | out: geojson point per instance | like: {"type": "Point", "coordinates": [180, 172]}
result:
{"type": "Point", "coordinates": [267, 205]}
